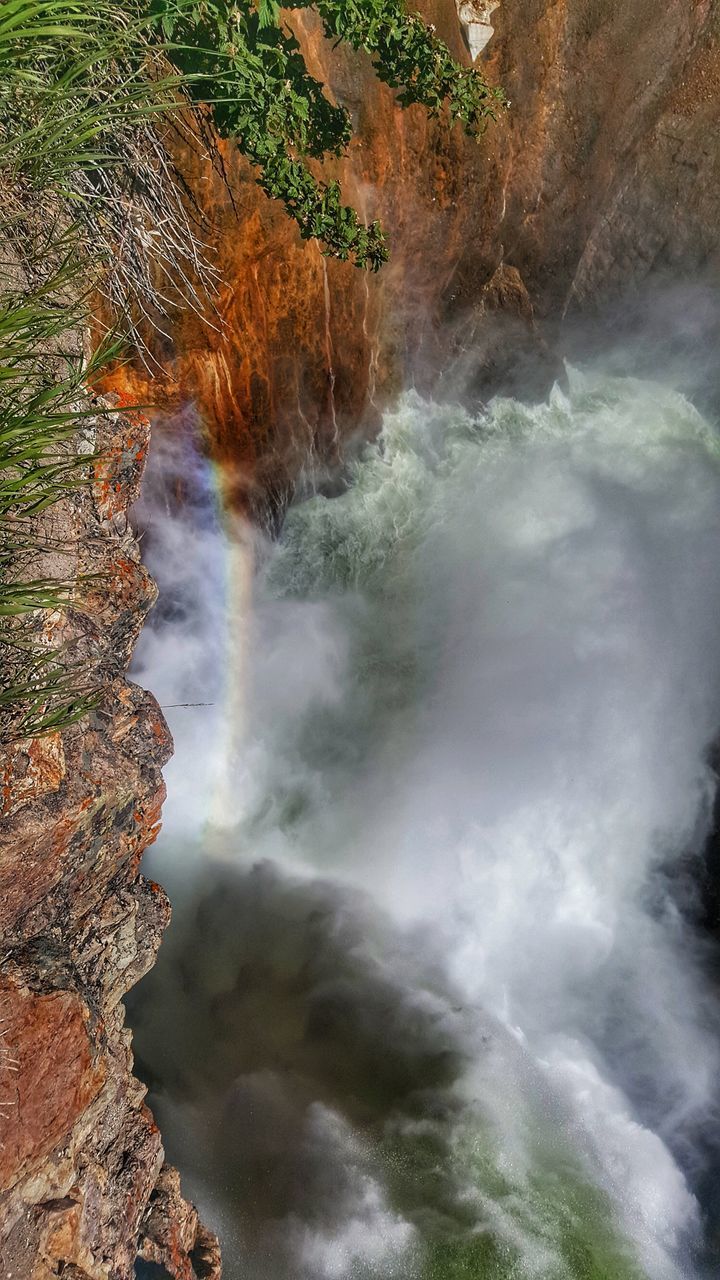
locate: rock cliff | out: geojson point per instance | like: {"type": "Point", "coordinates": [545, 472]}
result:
{"type": "Point", "coordinates": [83, 1187]}
{"type": "Point", "coordinates": [606, 168]}
{"type": "Point", "coordinates": [604, 174]}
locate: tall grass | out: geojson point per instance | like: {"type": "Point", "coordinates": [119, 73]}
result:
{"type": "Point", "coordinates": [83, 181]}
{"type": "Point", "coordinates": [42, 408]}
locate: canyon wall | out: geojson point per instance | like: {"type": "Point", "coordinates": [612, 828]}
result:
{"type": "Point", "coordinates": [83, 1185]}
{"type": "Point", "coordinates": [604, 171]}
{"type": "Point", "coordinates": [603, 174]}
{"type": "Point", "coordinates": [608, 164]}
{"type": "Point", "coordinates": [301, 349]}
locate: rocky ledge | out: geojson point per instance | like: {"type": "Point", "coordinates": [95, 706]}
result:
{"type": "Point", "coordinates": [84, 1190]}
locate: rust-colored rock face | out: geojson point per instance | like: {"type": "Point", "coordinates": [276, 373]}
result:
{"type": "Point", "coordinates": [308, 346]}
{"type": "Point", "coordinates": [605, 169]}
{"type": "Point", "coordinates": [50, 1075]}
{"type": "Point", "coordinates": [80, 1156]}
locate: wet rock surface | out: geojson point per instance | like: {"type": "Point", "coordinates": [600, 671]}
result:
{"type": "Point", "coordinates": [602, 176]}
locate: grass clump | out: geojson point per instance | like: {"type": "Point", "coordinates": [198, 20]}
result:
{"type": "Point", "coordinates": [42, 407]}
{"type": "Point", "coordinates": [91, 203]}
{"type": "Point", "coordinates": [80, 86]}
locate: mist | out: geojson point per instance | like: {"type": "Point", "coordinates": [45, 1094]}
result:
{"type": "Point", "coordinates": [436, 1000]}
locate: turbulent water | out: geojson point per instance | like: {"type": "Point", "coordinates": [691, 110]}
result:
{"type": "Point", "coordinates": [435, 1003]}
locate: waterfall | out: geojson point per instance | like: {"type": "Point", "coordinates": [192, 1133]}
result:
{"type": "Point", "coordinates": [443, 1007]}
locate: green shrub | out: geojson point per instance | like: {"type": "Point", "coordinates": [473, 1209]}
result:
{"type": "Point", "coordinates": [237, 58]}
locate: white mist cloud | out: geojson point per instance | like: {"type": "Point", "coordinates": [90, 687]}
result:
{"type": "Point", "coordinates": [479, 687]}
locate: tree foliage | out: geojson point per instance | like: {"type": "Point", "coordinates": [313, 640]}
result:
{"type": "Point", "coordinates": [237, 56]}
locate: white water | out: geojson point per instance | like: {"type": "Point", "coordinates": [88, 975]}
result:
{"type": "Point", "coordinates": [481, 688]}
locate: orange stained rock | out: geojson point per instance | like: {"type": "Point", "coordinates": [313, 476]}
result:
{"type": "Point", "coordinates": [31, 769]}
{"type": "Point", "coordinates": [573, 192]}
{"type": "Point", "coordinates": [48, 1075]}
{"type": "Point", "coordinates": [300, 350]}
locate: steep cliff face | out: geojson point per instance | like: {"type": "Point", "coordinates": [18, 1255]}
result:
{"type": "Point", "coordinates": [304, 349]}
{"type": "Point", "coordinates": [82, 1183]}
{"type": "Point", "coordinates": [606, 168]}
{"type": "Point", "coordinates": [604, 171]}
